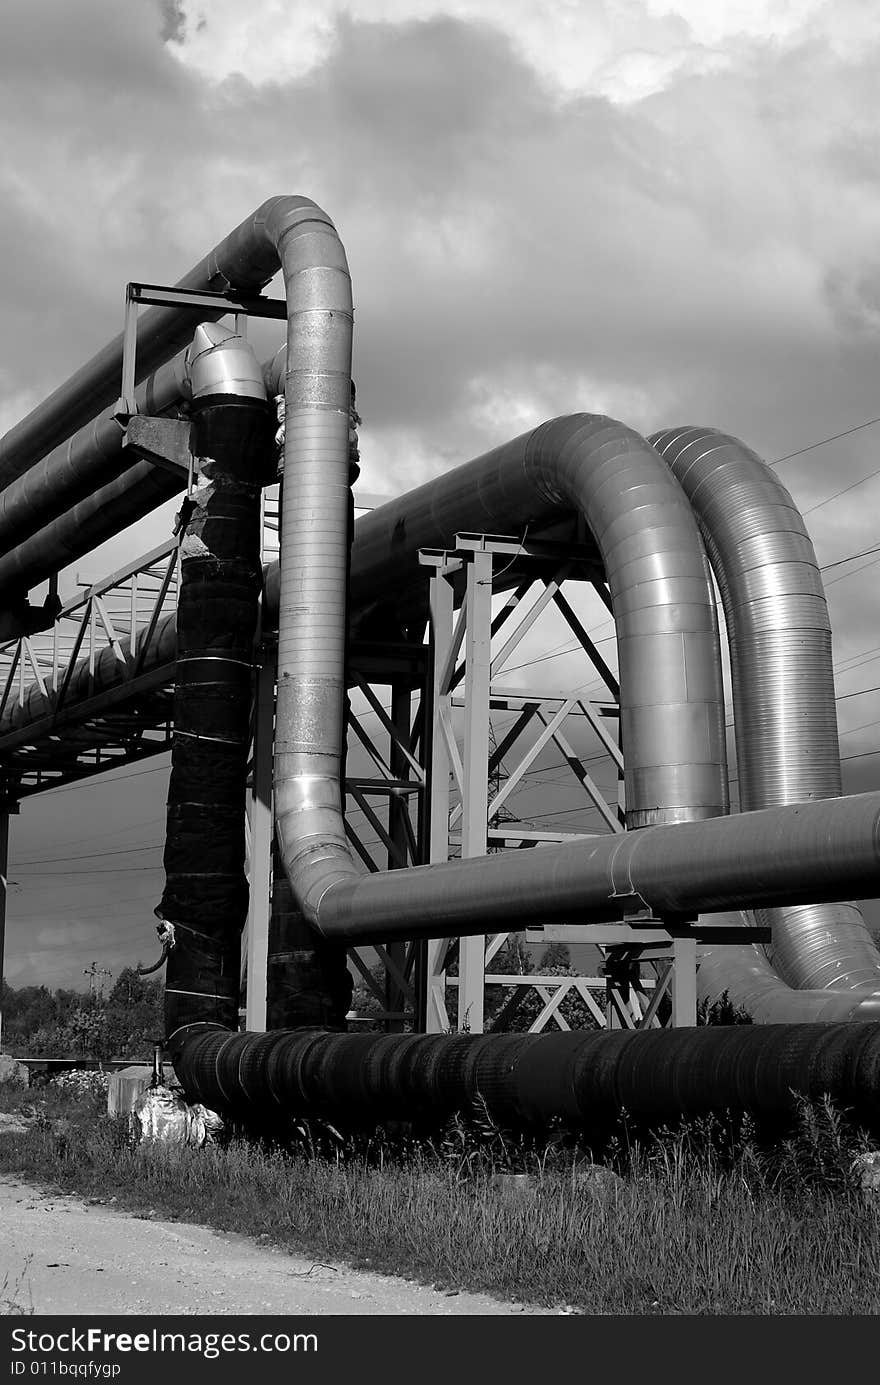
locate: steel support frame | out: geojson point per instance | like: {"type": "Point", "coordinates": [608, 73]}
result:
{"type": "Point", "coordinates": [255, 943]}
{"type": "Point", "coordinates": [4, 891]}
{"type": "Point", "coordinates": [462, 652]}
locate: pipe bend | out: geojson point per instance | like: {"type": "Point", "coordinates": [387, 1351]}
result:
{"type": "Point", "coordinates": [783, 703]}
{"type": "Point", "coordinates": [643, 527]}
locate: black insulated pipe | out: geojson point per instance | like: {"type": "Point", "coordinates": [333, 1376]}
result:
{"type": "Point", "coordinates": [206, 892]}
{"type": "Point", "coordinates": [308, 984]}
{"type": "Point", "coordinates": [526, 1081]}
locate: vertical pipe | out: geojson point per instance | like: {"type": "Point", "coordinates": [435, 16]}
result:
{"type": "Point", "coordinates": [206, 894]}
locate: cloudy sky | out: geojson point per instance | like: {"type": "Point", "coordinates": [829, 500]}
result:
{"type": "Point", "coordinates": [665, 210]}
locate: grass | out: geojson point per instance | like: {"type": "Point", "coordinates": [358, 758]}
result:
{"type": "Point", "coordinates": [703, 1220]}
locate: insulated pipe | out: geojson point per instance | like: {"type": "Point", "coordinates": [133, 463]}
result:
{"type": "Point", "coordinates": [671, 699]}
{"type": "Point", "coordinates": [242, 263]}
{"type": "Point", "coordinates": [205, 899]}
{"type": "Point", "coordinates": [811, 851]}
{"type": "Point", "coordinates": [783, 696]}
{"type": "Point", "coordinates": [89, 461]}
{"type": "Point", "coordinates": [581, 1080]}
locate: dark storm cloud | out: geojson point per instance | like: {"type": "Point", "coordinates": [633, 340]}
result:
{"type": "Point", "coordinates": [700, 255]}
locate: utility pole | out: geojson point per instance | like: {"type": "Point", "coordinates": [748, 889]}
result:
{"type": "Point", "coordinates": [94, 972]}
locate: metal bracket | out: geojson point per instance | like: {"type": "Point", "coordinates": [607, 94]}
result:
{"type": "Point", "coordinates": [162, 441]}
{"type": "Point", "coordinates": [213, 305]}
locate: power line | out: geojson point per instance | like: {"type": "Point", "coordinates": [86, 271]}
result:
{"type": "Point", "coordinates": [826, 567]}
{"type": "Point", "coordinates": [87, 779]}
{"type": "Point", "coordinates": [114, 870]}
{"type": "Point", "coordinates": [89, 855]}
{"type": "Point", "coordinates": [838, 494]}
{"type": "Point", "coordinates": [824, 441]}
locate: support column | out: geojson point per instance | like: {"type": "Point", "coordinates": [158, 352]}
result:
{"type": "Point", "coordinates": [475, 788]}
{"type": "Point", "coordinates": [259, 875]}
{"type": "Point", "coordinates": [436, 1020]}
{"type": "Point", "coordinates": [684, 983]}
{"type": "Point", "coordinates": [4, 890]}
{"type": "Point", "coordinates": [398, 808]}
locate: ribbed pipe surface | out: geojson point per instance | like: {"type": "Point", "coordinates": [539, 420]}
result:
{"type": "Point", "coordinates": [583, 1080]}
{"type": "Point", "coordinates": [783, 694]}
{"type": "Point", "coordinates": [671, 699]}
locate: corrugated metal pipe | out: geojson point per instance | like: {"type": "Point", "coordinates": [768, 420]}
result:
{"type": "Point", "coordinates": [671, 698]}
{"type": "Point", "coordinates": [582, 1080]}
{"type": "Point", "coordinates": [825, 963]}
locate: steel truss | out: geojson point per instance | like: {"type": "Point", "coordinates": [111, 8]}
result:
{"type": "Point", "coordinates": [438, 749]}
{"type": "Point", "coordinates": [472, 645]}
{"type": "Point", "coordinates": [105, 689]}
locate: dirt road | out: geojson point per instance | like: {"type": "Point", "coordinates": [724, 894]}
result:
{"type": "Point", "coordinates": [59, 1254]}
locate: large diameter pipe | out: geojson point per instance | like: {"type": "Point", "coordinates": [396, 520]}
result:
{"type": "Point", "coordinates": [812, 851]}
{"type": "Point", "coordinates": [45, 523]}
{"type": "Point", "coordinates": [205, 898]}
{"type": "Point", "coordinates": [581, 1080]}
{"type": "Point", "coordinates": [785, 716]}
{"type": "Point", "coordinates": [671, 698]}
{"type": "Point", "coordinates": [89, 461]}
{"type": "Point", "coordinates": [242, 263]}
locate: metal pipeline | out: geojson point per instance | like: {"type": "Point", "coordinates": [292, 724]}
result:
{"type": "Point", "coordinates": [535, 476]}
{"type": "Point", "coordinates": [205, 899]}
{"type": "Point", "coordinates": [784, 714]}
{"type": "Point", "coordinates": [77, 476]}
{"type": "Point", "coordinates": [244, 262]}
{"type": "Point", "coordinates": [671, 719]}
{"type": "Point", "coordinates": [583, 1080]}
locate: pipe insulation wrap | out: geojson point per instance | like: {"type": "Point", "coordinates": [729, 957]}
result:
{"type": "Point", "coordinates": [206, 891]}
{"type": "Point", "coordinates": [582, 1080]}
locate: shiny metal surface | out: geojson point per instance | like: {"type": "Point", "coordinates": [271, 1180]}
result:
{"type": "Point", "coordinates": [220, 361]}
{"type": "Point", "coordinates": [245, 261]}
{"type": "Point", "coordinates": [783, 698]}
{"type": "Point", "coordinates": [672, 709]}
{"type": "Point", "coordinates": [83, 472]}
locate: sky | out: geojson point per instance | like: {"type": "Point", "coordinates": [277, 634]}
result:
{"type": "Point", "coordinates": [663, 210]}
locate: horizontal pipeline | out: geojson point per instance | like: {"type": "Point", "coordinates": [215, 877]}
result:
{"type": "Point", "coordinates": [801, 853]}
{"type": "Point", "coordinates": [528, 1080]}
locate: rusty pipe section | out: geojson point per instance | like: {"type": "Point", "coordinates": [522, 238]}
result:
{"type": "Point", "coordinates": [785, 716]}
{"type": "Point", "coordinates": [671, 697]}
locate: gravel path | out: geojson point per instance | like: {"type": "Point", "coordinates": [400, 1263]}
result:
{"type": "Point", "coordinates": [59, 1254]}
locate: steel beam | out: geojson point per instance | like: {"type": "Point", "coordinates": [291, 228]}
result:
{"type": "Point", "coordinates": [260, 816]}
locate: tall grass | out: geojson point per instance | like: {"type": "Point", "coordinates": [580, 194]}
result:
{"type": "Point", "coordinates": [705, 1219]}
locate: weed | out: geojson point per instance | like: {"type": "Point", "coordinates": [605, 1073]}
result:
{"type": "Point", "coordinates": [711, 1217]}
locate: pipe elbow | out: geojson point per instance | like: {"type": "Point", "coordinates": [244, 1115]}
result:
{"type": "Point", "coordinates": [220, 361]}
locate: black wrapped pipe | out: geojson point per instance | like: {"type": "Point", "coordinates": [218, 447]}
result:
{"type": "Point", "coordinates": [527, 1081]}
{"type": "Point", "coordinates": [206, 892]}
{"type": "Point", "coordinates": [308, 984]}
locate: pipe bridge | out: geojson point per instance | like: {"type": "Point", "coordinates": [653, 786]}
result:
{"type": "Point", "coordinates": [379, 692]}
